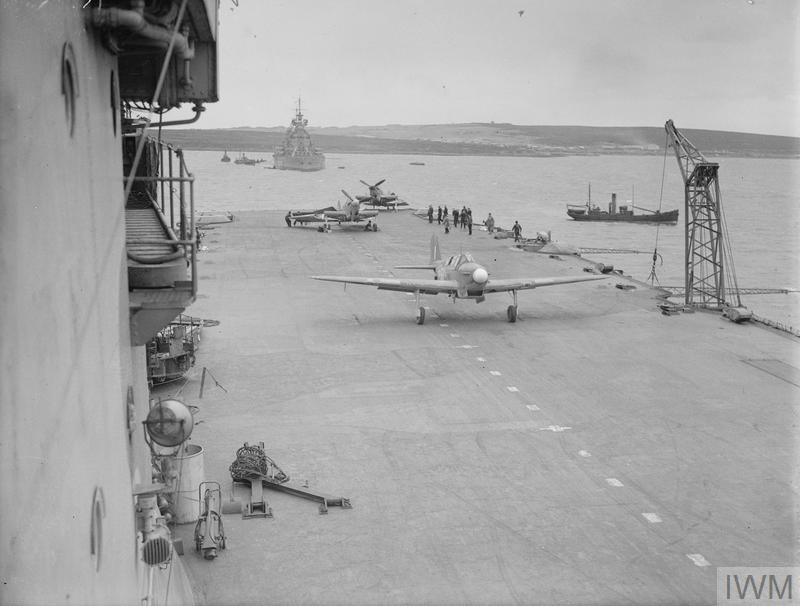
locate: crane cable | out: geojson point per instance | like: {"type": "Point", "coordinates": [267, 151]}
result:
{"type": "Point", "coordinates": [653, 277]}
{"type": "Point", "coordinates": [731, 284]}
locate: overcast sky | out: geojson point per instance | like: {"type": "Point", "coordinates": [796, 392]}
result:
{"type": "Point", "coordinates": [713, 64]}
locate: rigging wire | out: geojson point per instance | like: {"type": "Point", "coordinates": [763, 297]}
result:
{"type": "Point", "coordinates": [653, 277]}
{"type": "Point", "coordinates": [727, 255]}
{"type": "Point", "coordinates": [156, 94]}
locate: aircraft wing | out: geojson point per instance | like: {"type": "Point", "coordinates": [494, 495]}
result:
{"type": "Point", "coordinates": [504, 285]}
{"type": "Point", "coordinates": [340, 215]}
{"type": "Point", "coordinates": [428, 266]}
{"type": "Point", "coordinates": [428, 287]}
{"type": "Point", "coordinates": [308, 218]}
{"type": "Point", "coordinates": [305, 216]}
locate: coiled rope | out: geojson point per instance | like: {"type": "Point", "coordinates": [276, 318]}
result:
{"type": "Point", "coordinates": [253, 463]}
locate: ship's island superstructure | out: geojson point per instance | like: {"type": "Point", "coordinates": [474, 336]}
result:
{"type": "Point", "coordinates": [297, 151]}
{"type": "Point", "coordinates": [98, 257]}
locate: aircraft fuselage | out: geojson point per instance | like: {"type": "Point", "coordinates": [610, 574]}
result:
{"type": "Point", "coordinates": [470, 276]}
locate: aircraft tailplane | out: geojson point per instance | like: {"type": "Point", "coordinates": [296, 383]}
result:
{"type": "Point", "coordinates": [436, 257]}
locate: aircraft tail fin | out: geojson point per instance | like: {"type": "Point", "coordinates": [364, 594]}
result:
{"type": "Point", "coordinates": [436, 257]}
{"type": "Point", "coordinates": [436, 254]}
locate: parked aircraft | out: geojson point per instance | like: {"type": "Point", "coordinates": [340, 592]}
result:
{"type": "Point", "coordinates": [460, 277]}
{"type": "Point", "coordinates": [350, 213]}
{"type": "Point", "coordinates": [376, 196]}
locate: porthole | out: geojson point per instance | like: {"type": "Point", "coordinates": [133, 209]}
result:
{"type": "Point", "coordinates": [96, 529]}
{"type": "Point", "coordinates": [69, 85]}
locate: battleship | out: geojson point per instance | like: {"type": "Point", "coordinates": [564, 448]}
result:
{"type": "Point", "coordinates": [597, 451]}
{"type": "Point", "coordinates": [297, 152]}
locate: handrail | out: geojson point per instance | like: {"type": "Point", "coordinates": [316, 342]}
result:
{"type": "Point", "coordinates": [175, 205]}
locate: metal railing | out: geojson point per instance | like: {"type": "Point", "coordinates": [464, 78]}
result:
{"type": "Point", "coordinates": [172, 200]}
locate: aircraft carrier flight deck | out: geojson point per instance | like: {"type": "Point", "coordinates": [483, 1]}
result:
{"type": "Point", "coordinates": [596, 451]}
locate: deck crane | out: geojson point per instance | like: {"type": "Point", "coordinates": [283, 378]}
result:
{"type": "Point", "coordinates": [708, 258]}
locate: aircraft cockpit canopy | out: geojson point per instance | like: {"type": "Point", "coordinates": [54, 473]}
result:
{"type": "Point", "coordinates": [459, 260]}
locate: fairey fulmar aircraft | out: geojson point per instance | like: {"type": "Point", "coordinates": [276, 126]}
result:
{"type": "Point", "coordinates": [460, 277]}
{"type": "Point", "coordinates": [376, 197]}
{"type": "Point", "coordinates": [352, 213]}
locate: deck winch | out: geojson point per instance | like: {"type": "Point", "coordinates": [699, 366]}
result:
{"type": "Point", "coordinates": [253, 466]}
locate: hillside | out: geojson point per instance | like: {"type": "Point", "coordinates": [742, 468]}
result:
{"type": "Point", "coordinates": [489, 139]}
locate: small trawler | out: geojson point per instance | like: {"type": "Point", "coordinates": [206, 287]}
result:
{"type": "Point", "coordinates": [589, 212]}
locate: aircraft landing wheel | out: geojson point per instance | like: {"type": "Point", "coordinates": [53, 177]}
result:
{"type": "Point", "coordinates": [421, 316]}
{"type": "Point", "coordinates": [511, 312]}
{"type": "Point", "coordinates": [374, 227]}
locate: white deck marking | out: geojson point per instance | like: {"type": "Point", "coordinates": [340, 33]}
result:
{"type": "Point", "coordinates": [512, 388]}
{"type": "Point", "coordinates": [455, 335]}
{"type": "Point", "coordinates": [554, 428]}
{"type": "Point", "coordinates": [532, 407]}
{"type": "Point", "coordinates": [495, 373]}
{"type": "Point", "coordinates": [585, 453]}
{"type": "Point", "coordinates": [698, 559]}
{"type": "Point", "coordinates": [467, 346]}
{"type": "Point", "coordinates": [615, 482]}
{"type": "Point", "coordinates": [479, 359]}
{"type": "Point", "coordinates": [444, 325]}
{"type": "Point", "coordinates": [652, 518]}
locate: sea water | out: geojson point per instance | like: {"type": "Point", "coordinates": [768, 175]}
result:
{"type": "Point", "coordinates": [760, 200]}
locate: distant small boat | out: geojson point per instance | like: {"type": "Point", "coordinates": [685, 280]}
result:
{"type": "Point", "coordinates": [225, 157]}
{"type": "Point", "coordinates": [588, 212]}
{"type": "Point", "coordinates": [242, 159]}
{"type": "Point", "coordinates": [417, 163]}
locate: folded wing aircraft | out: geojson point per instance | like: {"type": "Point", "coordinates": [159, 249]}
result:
{"type": "Point", "coordinates": [376, 197]}
{"type": "Point", "coordinates": [350, 213]}
{"type": "Point", "coordinates": [460, 277]}
{"type": "Point", "coordinates": [307, 216]}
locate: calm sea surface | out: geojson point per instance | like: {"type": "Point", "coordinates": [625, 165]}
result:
{"type": "Point", "coordinates": [760, 199]}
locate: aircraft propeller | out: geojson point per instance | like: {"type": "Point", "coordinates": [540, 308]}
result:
{"type": "Point", "coordinates": [372, 186]}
